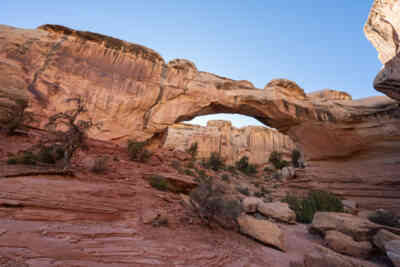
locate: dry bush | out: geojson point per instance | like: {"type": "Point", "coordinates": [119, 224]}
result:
{"type": "Point", "coordinates": [211, 205]}
{"type": "Point", "coordinates": [100, 165]}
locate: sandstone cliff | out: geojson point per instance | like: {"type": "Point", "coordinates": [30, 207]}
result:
{"type": "Point", "coordinates": [255, 142]}
{"type": "Point", "coordinates": [383, 30]}
{"type": "Point", "coordinates": [136, 95]}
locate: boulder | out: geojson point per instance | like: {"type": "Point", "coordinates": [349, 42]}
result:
{"type": "Point", "coordinates": [382, 237]}
{"type": "Point", "coordinates": [350, 206]}
{"type": "Point", "coordinates": [287, 172]}
{"type": "Point", "coordinates": [250, 204]}
{"type": "Point", "coordinates": [278, 210]}
{"type": "Point", "coordinates": [383, 30]}
{"type": "Point", "coordinates": [359, 229]}
{"type": "Point", "coordinates": [150, 216]}
{"type": "Point", "coordinates": [344, 244]}
{"type": "Point", "coordinates": [325, 257]}
{"type": "Point", "coordinates": [262, 230]}
{"type": "Point", "coordinates": [393, 251]}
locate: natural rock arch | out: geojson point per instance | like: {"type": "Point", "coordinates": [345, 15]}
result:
{"type": "Point", "coordinates": [137, 95]}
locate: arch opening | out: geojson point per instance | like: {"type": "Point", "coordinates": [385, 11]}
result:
{"type": "Point", "coordinates": [231, 135]}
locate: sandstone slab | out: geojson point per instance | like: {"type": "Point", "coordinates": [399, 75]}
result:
{"type": "Point", "coordinates": [278, 210]}
{"type": "Point", "coordinates": [359, 229]}
{"type": "Point", "coordinates": [262, 230]}
{"type": "Point", "coordinates": [250, 204]}
{"type": "Point", "coordinates": [382, 237]}
{"type": "Point", "coordinates": [326, 257]}
{"type": "Point", "coordinates": [393, 251]}
{"type": "Point", "coordinates": [345, 244]}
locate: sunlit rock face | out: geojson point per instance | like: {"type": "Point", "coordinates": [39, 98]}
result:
{"type": "Point", "coordinates": [383, 30]}
{"type": "Point", "coordinates": [255, 142]}
{"type": "Point", "coordinates": [328, 94]}
{"type": "Point", "coordinates": [137, 95]}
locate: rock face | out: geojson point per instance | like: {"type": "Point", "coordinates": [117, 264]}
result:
{"type": "Point", "coordinates": [329, 94]}
{"type": "Point", "coordinates": [137, 95]}
{"type": "Point", "coordinates": [231, 143]}
{"type": "Point", "coordinates": [383, 27]}
{"type": "Point", "coordinates": [383, 30]}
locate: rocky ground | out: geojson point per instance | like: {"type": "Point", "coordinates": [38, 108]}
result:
{"type": "Point", "coordinates": [86, 219]}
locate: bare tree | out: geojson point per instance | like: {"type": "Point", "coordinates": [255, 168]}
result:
{"type": "Point", "coordinates": [67, 133]}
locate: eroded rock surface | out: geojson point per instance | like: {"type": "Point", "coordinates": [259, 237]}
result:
{"type": "Point", "coordinates": [383, 30]}
{"type": "Point", "coordinates": [137, 95]}
{"type": "Point", "coordinates": [231, 143]}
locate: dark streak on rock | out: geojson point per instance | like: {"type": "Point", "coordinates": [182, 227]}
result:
{"type": "Point", "coordinates": [147, 115]}
{"type": "Point", "coordinates": [40, 97]}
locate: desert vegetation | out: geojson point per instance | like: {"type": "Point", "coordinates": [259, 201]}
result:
{"type": "Point", "coordinates": [213, 206]}
{"type": "Point", "coordinates": [245, 167]}
{"type": "Point", "coordinates": [214, 162]}
{"type": "Point", "coordinates": [306, 207]}
{"type": "Point", "coordinates": [276, 159]}
{"type": "Point", "coordinates": [65, 135]}
{"type": "Point", "coordinates": [192, 150]}
{"type": "Point", "coordinates": [137, 151]}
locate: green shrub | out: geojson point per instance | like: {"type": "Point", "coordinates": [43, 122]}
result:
{"type": "Point", "coordinates": [137, 151]}
{"type": "Point", "coordinates": [295, 158]}
{"type": "Point", "coordinates": [45, 155]}
{"type": "Point", "coordinates": [267, 169]}
{"type": "Point", "coordinates": [213, 206]}
{"type": "Point", "coordinates": [276, 176]}
{"type": "Point", "coordinates": [100, 165]}
{"type": "Point", "coordinates": [159, 182]}
{"type": "Point", "coordinates": [231, 169]}
{"type": "Point", "coordinates": [189, 172]}
{"type": "Point", "coordinates": [11, 161]}
{"type": "Point", "coordinates": [262, 193]}
{"type": "Point", "coordinates": [215, 162]}
{"type": "Point", "coordinates": [201, 173]}
{"type": "Point", "coordinates": [305, 208]}
{"type": "Point", "coordinates": [192, 150]}
{"type": "Point", "coordinates": [244, 166]}
{"type": "Point", "coordinates": [27, 158]}
{"type": "Point", "coordinates": [190, 165]}
{"type": "Point", "coordinates": [225, 177]}
{"type": "Point", "coordinates": [276, 159]}
{"type": "Point", "coordinates": [385, 217]}
{"type": "Point", "coordinates": [243, 190]}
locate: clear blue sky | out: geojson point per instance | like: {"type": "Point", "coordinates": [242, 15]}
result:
{"type": "Point", "coordinates": [318, 44]}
